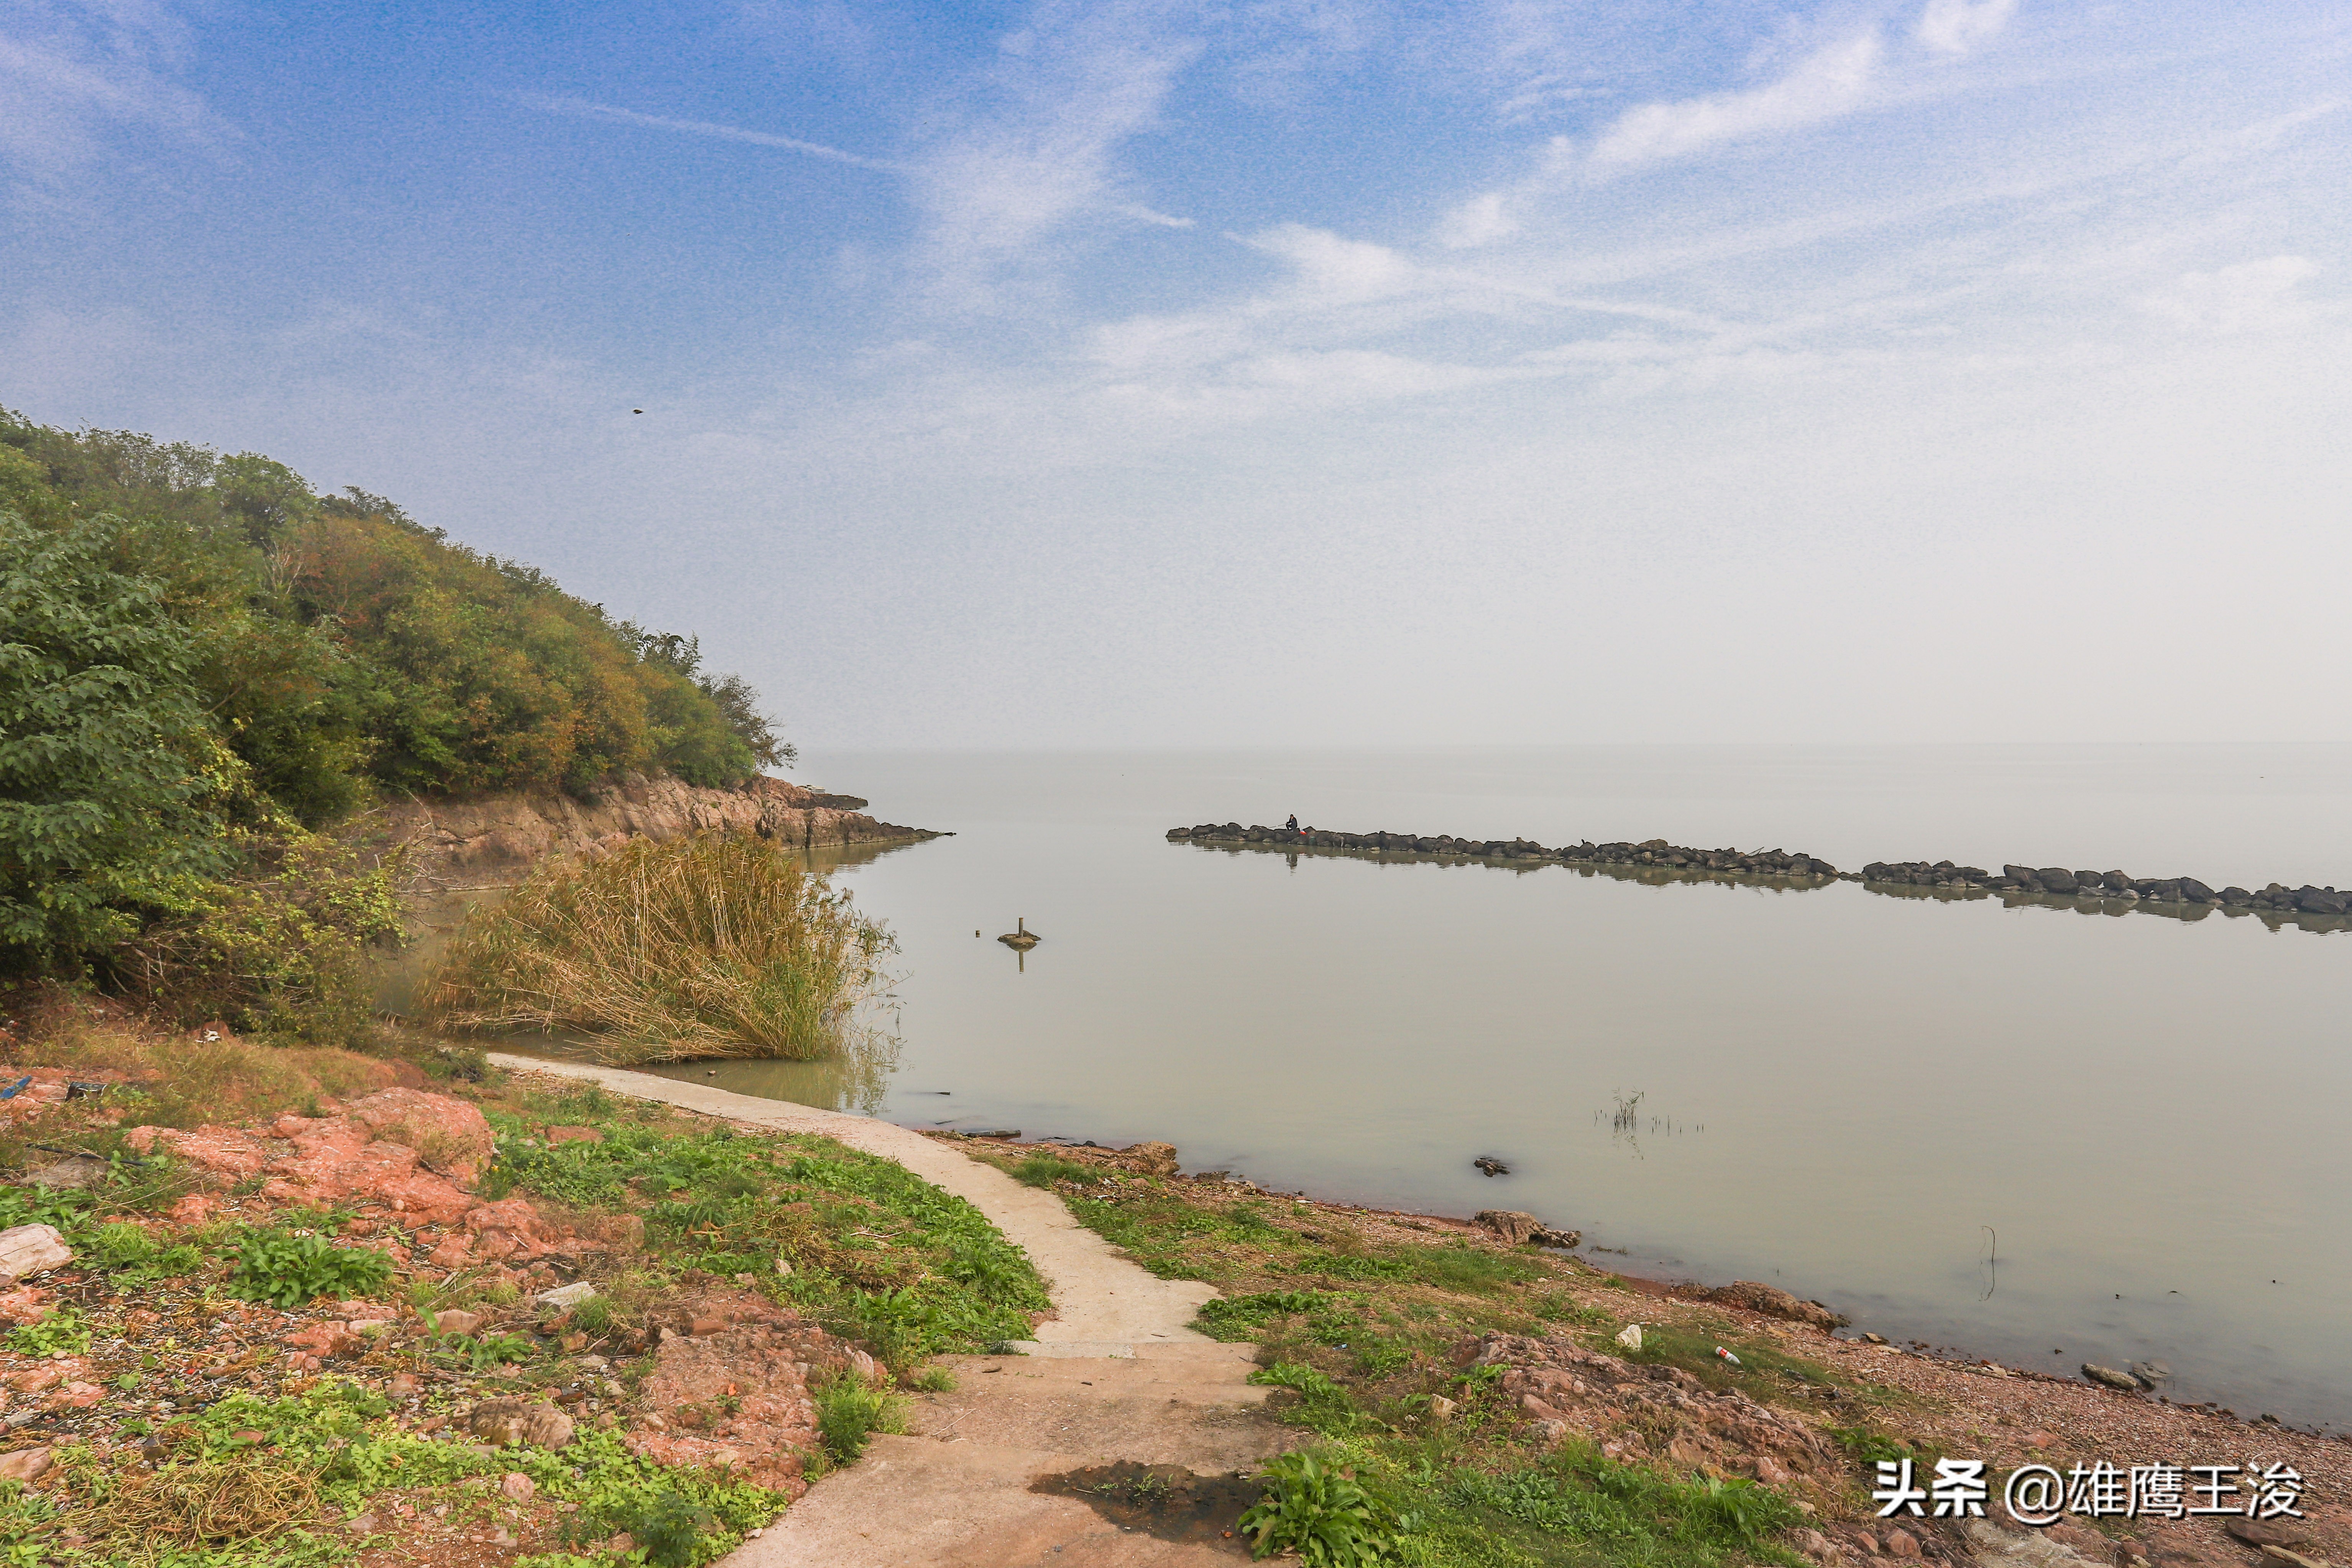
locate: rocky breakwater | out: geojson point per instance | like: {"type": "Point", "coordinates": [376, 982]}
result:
{"type": "Point", "coordinates": [2180, 897]}
{"type": "Point", "coordinates": [1655, 854]}
{"type": "Point", "coordinates": [457, 842]}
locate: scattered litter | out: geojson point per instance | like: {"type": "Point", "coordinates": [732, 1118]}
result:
{"type": "Point", "coordinates": [1630, 1336]}
{"type": "Point", "coordinates": [570, 1295]}
{"type": "Point", "coordinates": [1726, 1355]}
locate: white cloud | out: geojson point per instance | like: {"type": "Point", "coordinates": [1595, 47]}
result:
{"type": "Point", "coordinates": [1835, 81]}
{"type": "Point", "coordinates": [1035, 145]}
{"type": "Point", "coordinates": [1333, 270]}
{"type": "Point", "coordinates": [1956, 27]}
{"type": "Point", "coordinates": [73, 70]}
{"type": "Point", "coordinates": [2252, 296]}
{"type": "Point", "coordinates": [1482, 220]}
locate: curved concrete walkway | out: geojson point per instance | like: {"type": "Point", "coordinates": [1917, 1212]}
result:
{"type": "Point", "coordinates": [1099, 1298]}
{"type": "Point", "coordinates": [1115, 1375]}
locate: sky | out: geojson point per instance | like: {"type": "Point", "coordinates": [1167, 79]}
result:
{"type": "Point", "coordinates": [1276, 372]}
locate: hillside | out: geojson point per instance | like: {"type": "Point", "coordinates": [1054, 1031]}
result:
{"type": "Point", "coordinates": [205, 663]}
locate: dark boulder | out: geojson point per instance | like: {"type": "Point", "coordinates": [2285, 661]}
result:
{"type": "Point", "coordinates": [2056, 878]}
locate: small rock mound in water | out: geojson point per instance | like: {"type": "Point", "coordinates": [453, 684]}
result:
{"type": "Point", "coordinates": [1020, 936]}
{"type": "Point", "coordinates": [1491, 1166]}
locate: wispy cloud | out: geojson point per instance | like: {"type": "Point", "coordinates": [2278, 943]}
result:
{"type": "Point", "coordinates": [585, 109]}
{"type": "Point", "coordinates": [1835, 82]}
{"type": "Point", "coordinates": [73, 71]}
{"type": "Point", "coordinates": [1142, 214]}
{"type": "Point", "coordinates": [1956, 27]}
{"type": "Point", "coordinates": [1034, 142]}
{"type": "Point", "coordinates": [922, 171]}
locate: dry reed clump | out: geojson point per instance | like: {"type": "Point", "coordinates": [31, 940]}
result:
{"type": "Point", "coordinates": [211, 1501]}
{"type": "Point", "coordinates": [717, 945]}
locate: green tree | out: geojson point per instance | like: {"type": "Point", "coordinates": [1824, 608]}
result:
{"type": "Point", "coordinates": [110, 773]}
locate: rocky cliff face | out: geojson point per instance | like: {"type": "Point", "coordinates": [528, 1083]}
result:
{"type": "Point", "coordinates": [456, 843]}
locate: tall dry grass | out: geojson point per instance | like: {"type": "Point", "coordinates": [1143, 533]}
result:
{"type": "Point", "coordinates": [717, 945]}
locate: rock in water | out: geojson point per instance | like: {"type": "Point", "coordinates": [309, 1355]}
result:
{"type": "Point", "coordinates": [1518, 1227]}
{"type": "Point", "coordinates": [1774, 1302]}
{"type": "Point", "coordinates": [2109, 1377]}
{"type": "Point", "coordinates": [1491, 1166]}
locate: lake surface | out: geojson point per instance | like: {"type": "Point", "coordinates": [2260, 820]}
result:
{"type": "Point", "coordinates": [2025, 1132]}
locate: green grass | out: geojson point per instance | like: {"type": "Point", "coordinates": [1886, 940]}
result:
{"type": "Point", "coordinates": [1358, 1332]}
{"type": "Point", "coordinates": [336, 1446]}
{"type": "Point", "coordinates": [875, 1253]}
{"type": "Point", "coordinates": [850, 1410]}
{"type": "Point", "coordinates": [1044, 1170]}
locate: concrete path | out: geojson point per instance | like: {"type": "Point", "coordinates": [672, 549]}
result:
{"type": "Point", "coordinates": [1114, 1375]}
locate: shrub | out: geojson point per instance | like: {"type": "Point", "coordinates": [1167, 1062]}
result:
{"type": "Point", "coordinates": [1324, 1517]}
{"type": "Point", "coordinates": [277, 951]}
{"type": "Point", "coordinates": [286, 1270]}
{"type": "Point", "coordinates": [717, 945]}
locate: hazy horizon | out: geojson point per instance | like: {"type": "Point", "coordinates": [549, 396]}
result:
{"type": "Point", "coordinates": [1093, 376]}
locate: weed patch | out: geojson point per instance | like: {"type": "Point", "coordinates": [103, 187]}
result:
{"type": "Point", "coordinates": [850, 1410]}
{"type": "Point", "coordinates": [286, 1266]}
{"type": "Point", "coordinates": [1322, 1517]}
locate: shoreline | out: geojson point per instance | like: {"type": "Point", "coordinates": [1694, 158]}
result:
{"type": "Point", "coordinates": [1735, 1295]}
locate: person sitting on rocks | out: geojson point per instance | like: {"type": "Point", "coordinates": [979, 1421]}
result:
{"type": "Point", "coordinates": [1293, 825]}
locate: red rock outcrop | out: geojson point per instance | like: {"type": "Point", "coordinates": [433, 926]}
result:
{"type": "Point", "coordinates": [321, 1160]}
{"type": "Point", "coordinates": [733, 1394]}
{"type": "Point", "coordinates": [495, 838]}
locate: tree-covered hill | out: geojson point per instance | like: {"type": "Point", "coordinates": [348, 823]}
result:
{"type": "Point", "coordinates": [203, 661]}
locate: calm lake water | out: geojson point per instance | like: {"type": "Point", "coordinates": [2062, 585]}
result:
{"type": "Point", "coordinates": [2046, 1136]}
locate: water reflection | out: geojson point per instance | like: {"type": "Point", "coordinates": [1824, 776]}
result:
{"type": "Point", "coordinates": [856, 1080]}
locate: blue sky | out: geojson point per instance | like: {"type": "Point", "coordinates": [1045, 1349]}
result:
{"type": "Point", "coordinates": [1297, 370]}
